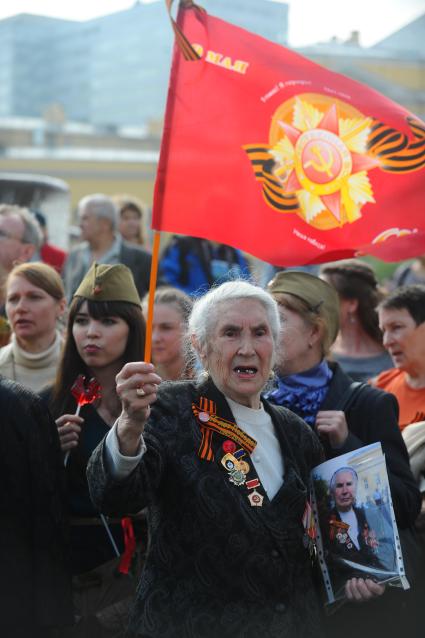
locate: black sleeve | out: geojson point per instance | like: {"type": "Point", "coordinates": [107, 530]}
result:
{"type": "Point", "coordinates": [374, 418]}
{"type": "Point", "coordinates": [34, 529]}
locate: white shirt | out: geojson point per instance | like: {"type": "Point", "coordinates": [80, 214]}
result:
{"type": "Point", "coordinates": [266, 457]}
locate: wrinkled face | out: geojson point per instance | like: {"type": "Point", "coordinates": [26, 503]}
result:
{"type": "Point", "coordinates": [32, 312]}
{"type": "Point", "coordinates": [403, 339]}
{"type": "Point", "coordinates": [11, 247]}
{"type": "Point", "coordinates": [100, 342]}
{"type": "Point", "coordinates": [240, 351]}
{"type": "Point", "coordinates": [295, 335]}
{"type": "Point", "coordinates": [167, 333]}
{"type": "Point", "coordinates": [129, 225]}
{"type": "Point", "coordinates": [89, 224]}
{"type": "Point", "coordinates": [345, 491]}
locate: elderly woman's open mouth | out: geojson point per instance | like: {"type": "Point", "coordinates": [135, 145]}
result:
{"type": "Point", "coordinates": [245, 371]}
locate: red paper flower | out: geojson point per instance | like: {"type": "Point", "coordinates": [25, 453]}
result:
{"type": "Point", "coordinates": [85, 392]}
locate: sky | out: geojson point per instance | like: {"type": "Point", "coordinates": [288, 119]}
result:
{"type": "Point", "coordinates": [310, 21]}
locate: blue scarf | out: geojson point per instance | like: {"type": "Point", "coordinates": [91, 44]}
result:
{"type": "Point", "coordinates": [303, 393]}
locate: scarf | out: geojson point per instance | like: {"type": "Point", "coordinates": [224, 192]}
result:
{"type": "Point", "coordinates": [303, 393]}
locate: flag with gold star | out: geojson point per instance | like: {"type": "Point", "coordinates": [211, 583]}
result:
{"type": "Point", "coordinates": [271, 153]}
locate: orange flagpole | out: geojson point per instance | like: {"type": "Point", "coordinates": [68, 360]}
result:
{"type": "Point", "coordinates": [152, 287]}
{"type": "Point", "coordinates": [189, 53]}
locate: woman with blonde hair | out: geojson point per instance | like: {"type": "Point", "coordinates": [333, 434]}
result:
{"type": "Point", "coordinates": [132, 215]}
{"type": "Point", "coordinates": [170, 318]}
{"type": "Point", "coordinates": [35, 301]}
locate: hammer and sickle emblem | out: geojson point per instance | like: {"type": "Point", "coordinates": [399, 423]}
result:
{"type": "Point", "coordinates": [324, 165]}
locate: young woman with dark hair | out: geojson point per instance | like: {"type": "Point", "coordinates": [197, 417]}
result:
{"type": "Point", "coordinates": [106, 329]}
{"type": "Point", "coordinates": [358, 347]}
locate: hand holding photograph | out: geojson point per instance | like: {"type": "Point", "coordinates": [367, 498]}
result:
{"type": "Point", "coordinates": [356, 531]}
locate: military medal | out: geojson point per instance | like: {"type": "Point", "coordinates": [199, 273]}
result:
{"type": "Point", "coordinates": [255, 498]}
{"type": "Point", "coordinates": [232, 465]}
{"type": "Point", "coordinates": [309, 538]}
{"type": "Point", "coordinates": [244, 467]}
{"type": "Point", "coordinates": [229, 446]}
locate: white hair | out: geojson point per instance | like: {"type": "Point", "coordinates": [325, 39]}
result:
{"type": "Point", "coordinates": [206, 309]}
{"type": "Point", "coordinates": [32, 232]}
{"type": "Point", "coordinates": [347, 469]}
{"type": "Point", "coordinates": [101, 206]}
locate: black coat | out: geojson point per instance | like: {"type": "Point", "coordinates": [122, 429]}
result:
{"type": "Point", "coordinates": [373, 417]}
{"type": "Point", "coordinates": [35, 589]}
{"type": "Point", "coordinates": [339, 545]}
{"type": "Point", "coordinates": [139, 261]}
{"type": "Point", "coordinates": [216, 566]}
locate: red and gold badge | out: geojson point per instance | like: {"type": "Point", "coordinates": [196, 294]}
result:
{"type": "Point", "coordinates": [319, 154]}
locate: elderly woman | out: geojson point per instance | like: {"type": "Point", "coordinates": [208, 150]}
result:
{"type": "Point", "coordinates": [346, 416]}
{"type": "Point", "coordinates": [225, 478]}
{"type": "Point", "coordinates": [35, 301]}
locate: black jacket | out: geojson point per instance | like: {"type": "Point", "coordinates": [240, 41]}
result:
{"type": "Point", "coordinates": [34, 580]}
{"type": "Point", "coordinates": [215, 566]}
{"type": "Point", "coordinates": [372, 417]}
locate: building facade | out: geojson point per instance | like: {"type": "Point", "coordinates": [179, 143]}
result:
{"type": "Point", "coordinates": [110, 71]}
{"type": "Point", "coordinates": [394, 66]}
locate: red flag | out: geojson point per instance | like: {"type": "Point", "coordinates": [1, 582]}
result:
{"type": "Point", "coordinates": [273, 154]}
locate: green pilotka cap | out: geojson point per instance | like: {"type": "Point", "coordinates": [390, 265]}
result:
{"type": "Point", "coordinates": [319, 296]}
{"type": "Point", "coordinates": [105, 282]}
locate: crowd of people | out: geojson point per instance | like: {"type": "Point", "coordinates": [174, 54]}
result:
{"type": "Point", "coordinates": [168, 499]}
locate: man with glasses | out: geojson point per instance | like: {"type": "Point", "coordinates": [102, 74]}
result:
{"type": "Point", "coordinates": [20, 237]}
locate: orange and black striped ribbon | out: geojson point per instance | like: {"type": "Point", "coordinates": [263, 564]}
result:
{"type": "Point", "coordinates": [205, 449]}
{"type": "Point", "coordinates": [221, 426]}
{"type": "Point", "coordinates": [396, 154]}
{"type": "Point", "coordinates": [262, 163]}
{"type": "Point", "coordinates": [183, 43]}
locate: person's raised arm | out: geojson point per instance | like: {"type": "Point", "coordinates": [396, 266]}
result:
{"type": "Point", "coordinates": [137, 386]}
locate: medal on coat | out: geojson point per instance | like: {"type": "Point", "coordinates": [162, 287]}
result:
{"type": "Point", "coordinates": [234, 469]}
{"type": "Point", "coordinates": [309, 538]}
{"type": "Point", "coordinates": [255, 498]}
{"type": "Point", "coordinates": [210, 423]}
{"type": "Point", "coordinates": [369, 537]}
{"type": "Point", "coordinates": [338, 530]}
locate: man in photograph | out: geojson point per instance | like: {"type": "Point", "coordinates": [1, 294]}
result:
{"type": "Point", "coordinates": [350, 536]}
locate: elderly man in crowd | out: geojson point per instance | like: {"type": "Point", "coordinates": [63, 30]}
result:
{"type": "Point", "coordinates": [102, 243]}
{"type": "Point", "coordinates": [20, 237]}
